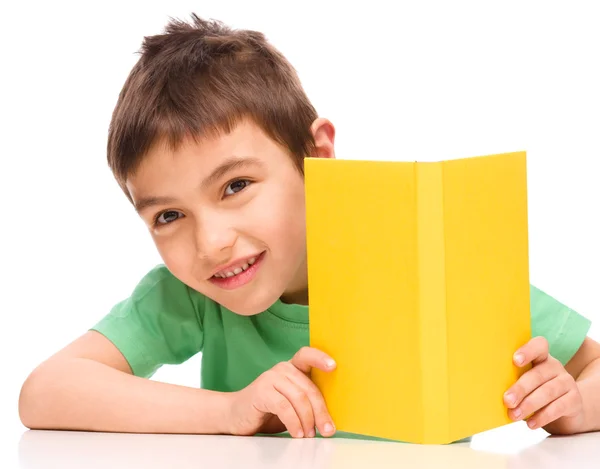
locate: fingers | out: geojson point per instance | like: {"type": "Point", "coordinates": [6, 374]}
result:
{"type": "Point", "coordinates": [553, 411]}
{"type": "Point", "coordinates": [297, 401]}
{"type": "Point", "coordinates": [308, 357]}
{"type": "Point", "coordinates": [322, 418]}
{"type": "Point", "coordinates": [535, 351]}
{"type": "Point", "coordinates": [541, 397]}
{"type": "Point", "coordinates": [281, 404]}
{"type": "Point", "coordinates": [297, 397]}
{"type": "Point", "coordinates": [530, 381]}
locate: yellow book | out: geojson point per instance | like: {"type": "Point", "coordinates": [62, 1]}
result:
{"type": "Point", "coordinates": [418, 277]}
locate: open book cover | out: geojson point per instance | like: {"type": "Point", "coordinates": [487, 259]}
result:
{"type": "Point", "coordinates": [418, 277]}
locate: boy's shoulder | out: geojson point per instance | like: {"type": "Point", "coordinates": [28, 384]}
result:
{"type": "Point", "coordinates": [157, 275]}
{"type": "Point", "coordinates": [160, 287]}
{"type": "Point", "coordinates": [161, 321]}
{"type": "Point", "coordinates": [158, 281]}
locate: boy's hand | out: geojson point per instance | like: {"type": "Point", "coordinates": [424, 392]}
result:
{"type": "Point", "coordinates": [546, 395]}
{"type": "Point", "coordinates": [284, 397]}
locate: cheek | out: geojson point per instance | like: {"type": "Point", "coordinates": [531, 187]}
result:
{"type": "Point", "coordinates": [283, 222]}
{"type": "Point", "coordinates": [176, 252]}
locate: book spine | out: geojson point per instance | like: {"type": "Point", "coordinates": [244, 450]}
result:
{"type": "Point", "coordinates": [432, 301]}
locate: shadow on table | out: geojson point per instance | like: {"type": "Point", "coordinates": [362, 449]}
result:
{"type": "Point", "coordinates": [558, 452]}
{"type": "Point", "coordinates": [66, 450]}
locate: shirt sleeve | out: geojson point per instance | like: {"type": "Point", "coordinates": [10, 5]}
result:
{"type": "Point", "coordinates": [564, 328]}
{"type": "Point", "coordinates": [160, 323]}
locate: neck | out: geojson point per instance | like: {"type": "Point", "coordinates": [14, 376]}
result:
{"type": "Point", "coordinates": [297, 291]}
{"type": "Point", "coordinates": [297, 297]}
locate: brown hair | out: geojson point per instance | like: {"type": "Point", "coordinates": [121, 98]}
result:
{"type": "Point", "coordinates": [199, 79]}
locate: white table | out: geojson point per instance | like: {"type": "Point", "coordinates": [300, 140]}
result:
{"type": "Point", "coordinates": [513, 446]}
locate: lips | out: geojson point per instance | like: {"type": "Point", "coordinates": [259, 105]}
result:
{"type": "Point", "coordinates": [235, 269]}
{"type": "Point", "coordinates": [242, 263]}
{"type": "Point", "coordinates": [229, 280]}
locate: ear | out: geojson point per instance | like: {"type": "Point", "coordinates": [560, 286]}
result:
{"type": "Point", "coordinates": [324, 134]}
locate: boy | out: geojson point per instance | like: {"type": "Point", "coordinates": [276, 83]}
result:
{"type": "Point", "coordinates": [207, 141]}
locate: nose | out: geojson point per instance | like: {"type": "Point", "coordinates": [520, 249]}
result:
{"type": "Point", "coordinates": [214, 235]}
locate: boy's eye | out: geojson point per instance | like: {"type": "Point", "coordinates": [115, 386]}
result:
{"type": "Point", "coordinates": [166, 217]}
{"type": "Point", "coordinates": [236, 186]}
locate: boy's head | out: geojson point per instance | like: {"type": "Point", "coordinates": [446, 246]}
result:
{"type": "Point", "coordinates": [207, 141]}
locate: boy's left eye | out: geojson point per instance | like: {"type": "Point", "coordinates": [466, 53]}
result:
{"type": "Point", "coordinates": [236, 186]}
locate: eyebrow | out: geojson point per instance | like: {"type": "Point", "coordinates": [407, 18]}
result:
{"type": "Point", "coordinates": [224, 168]}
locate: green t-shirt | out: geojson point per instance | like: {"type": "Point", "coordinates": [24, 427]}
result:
{"type": "Point", "coordinates": [166, 322]}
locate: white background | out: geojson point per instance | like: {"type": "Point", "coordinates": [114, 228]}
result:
{"type": "Point", "coordinates": [400, 80]}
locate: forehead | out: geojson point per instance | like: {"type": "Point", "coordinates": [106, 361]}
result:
{"type": "Point", "coordinates": [164, 166]}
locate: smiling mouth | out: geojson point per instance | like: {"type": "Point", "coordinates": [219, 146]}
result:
{"type": "Point", "coordinates": [230, 279]}
{"type": "Point", "coordinates": [237, 270]}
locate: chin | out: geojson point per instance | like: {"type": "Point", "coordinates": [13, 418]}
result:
{"type": "Point", "coordinates": [249, 306]}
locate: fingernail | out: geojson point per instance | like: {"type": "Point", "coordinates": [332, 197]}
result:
{"type": "Point", "coordinates": [531, 423]}
{"type": "Point", "coordinates": [300, 434]}
{"type": "Point", "coordinates": [519, 358]}
{"type": "Point", "coordinates": [328, 428]}
{"type": "Point", "coordinates": [510, 398]}
{"type": "Point", "coordinates": [311, 433]}
{"type": "Point", "coordinates": [330, 362]}
{"type": "Point", "coordinates": [517, 413]}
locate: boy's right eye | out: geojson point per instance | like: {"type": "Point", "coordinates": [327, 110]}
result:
{"type": "Point", "coordinates": [166, 217]}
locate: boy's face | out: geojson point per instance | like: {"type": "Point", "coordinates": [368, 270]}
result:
{"type": "Point", "coordinates": [228, 216]}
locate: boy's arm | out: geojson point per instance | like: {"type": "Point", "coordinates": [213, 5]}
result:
{"type": "Point", "coordinates": [585, 368]}
{"type": "Point", "coordinates": [560, 392]}
{"type": "Point", "coordinates": [563, 399]}
{"type": "Point", "coordinates": [89, 386]}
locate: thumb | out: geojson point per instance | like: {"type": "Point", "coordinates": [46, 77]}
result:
{"type": "Point", "coordinates": [309, 357]}
{"type": "Point", "coordinates": [272, 425]}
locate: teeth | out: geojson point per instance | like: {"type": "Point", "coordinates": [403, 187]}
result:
{"type": "Point", "coordinates": [237, 270]}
